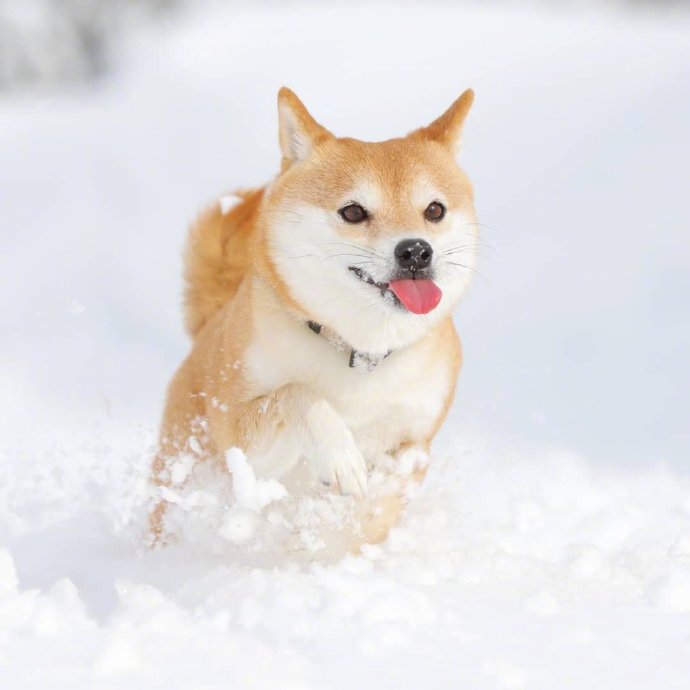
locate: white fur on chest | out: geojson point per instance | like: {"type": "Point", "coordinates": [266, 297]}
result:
{"type": "Point", "coordinates": [398, 401]}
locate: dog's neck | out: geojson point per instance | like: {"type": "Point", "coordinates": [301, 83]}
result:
{"type": "Point", "coordinates": [360, 359]}
{"type": "Point", "coordinates": [364, 361]}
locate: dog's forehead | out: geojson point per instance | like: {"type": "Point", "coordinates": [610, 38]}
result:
{"type": "Point", "coordinates": [394, 180]}
{"type": "Point", "coordinates": [373, 191]}
{"type": "Point", "coordinates": [398, 175]}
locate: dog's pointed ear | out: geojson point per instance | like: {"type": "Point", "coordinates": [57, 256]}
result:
{"type": "Point", "coordinates": [299, 131]}
{"type": "Point", "coordinates": [447, 128]}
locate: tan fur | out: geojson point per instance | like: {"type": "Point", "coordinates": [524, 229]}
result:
{"type": "Point", "coordinates": [234, 283]}
{"type": "Point", "coordinates": [218, 252]}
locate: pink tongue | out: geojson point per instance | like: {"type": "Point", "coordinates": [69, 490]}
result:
{"type": "Point", "coordinates": [418, 296]}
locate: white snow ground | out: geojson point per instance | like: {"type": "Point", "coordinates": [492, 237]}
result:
{"type": "Point", "coordinates": [549, 547]}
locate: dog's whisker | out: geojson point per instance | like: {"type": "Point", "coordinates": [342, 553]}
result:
{"type": "Point", "coordinates": [467, 252]}
{"type": "Point", "coordinates": [361, 260]}
{"type": "Point", "coordinates": [359, 256]}
{"type": "Point", "coordinates": [455, 250]}
{"type": "Point", "coordinates": [297, 256]}
{"type": "Point", "coordinates": [466, 242]}
{"type": "Point", "coordinates": [357, 247]}
{"type": "Point", "coordinates": [472, 247]}
{"type": "Point", "coordinates": [284, 210]}
{"type": "Point", "coordinates": [466, 268]}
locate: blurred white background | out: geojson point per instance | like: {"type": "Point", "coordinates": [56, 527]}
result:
{"type": "Point", "coordinates": [550, 544]}
{"type": "Point", "coordinates": [119, 120]}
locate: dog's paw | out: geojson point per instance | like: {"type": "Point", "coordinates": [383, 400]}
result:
{"type": "Point", "coordinates": [342, 467]}
{"type": "Point", "coordinates": [333, 453]}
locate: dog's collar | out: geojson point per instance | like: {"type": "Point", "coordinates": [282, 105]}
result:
{"type": "Point", "coordinates": [365, 361]}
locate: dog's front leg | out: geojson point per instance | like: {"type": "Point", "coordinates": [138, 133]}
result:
{"type": "Point", "coordinates": [404, 469]}
{"type": "Point", "coordinates": [291, 423]}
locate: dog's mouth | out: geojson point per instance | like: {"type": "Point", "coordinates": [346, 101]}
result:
{"type": "Point", "coordinates": [416, 295]}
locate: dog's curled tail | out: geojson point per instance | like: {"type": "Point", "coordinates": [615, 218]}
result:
{"type": "Point", "coordinates": [217, 255]}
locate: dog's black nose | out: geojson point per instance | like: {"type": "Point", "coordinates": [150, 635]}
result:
{"type": "Point", "coordinates": [413, 255]}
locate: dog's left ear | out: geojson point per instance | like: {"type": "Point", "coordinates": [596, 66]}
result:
{"type": "Point", "coordinates": [447, 129]}
{"type": "Point", "coordinates": [299, 131]}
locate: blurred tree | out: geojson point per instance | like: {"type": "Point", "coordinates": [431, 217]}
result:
{"type": "Point", "coordinates": [57, 41]}
{"type": "Point", "coordinates": [49, 42]}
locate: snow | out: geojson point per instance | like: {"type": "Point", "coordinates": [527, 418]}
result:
{"type": "Point", "coordinates": [511, 569]}
{"type": "Point", "coordinates": [549, 546]}
{"type": "Point", "coordinates": [250, 492]}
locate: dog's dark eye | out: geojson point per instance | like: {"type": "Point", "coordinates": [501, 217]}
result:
{"type": "Point", "coordinates": [353, 213]}
{"type": "Point", "coordinates": [435, 211]}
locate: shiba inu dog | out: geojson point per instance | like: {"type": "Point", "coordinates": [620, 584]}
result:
{"type": "Point", "coordinates": [320, 310]}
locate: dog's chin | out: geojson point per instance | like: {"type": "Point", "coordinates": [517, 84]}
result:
{"type": "Point", "coordinates": [370, 317]}
{"type": "Point", "coordinates": [379, 328]}
{"type": "Point", "coordinates": [363, 311]}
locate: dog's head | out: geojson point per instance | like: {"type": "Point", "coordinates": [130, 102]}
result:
{"type": "Point", "coordinates": [377, 241]}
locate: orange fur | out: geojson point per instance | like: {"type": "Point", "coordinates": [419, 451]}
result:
{"type": "Point", "coordinates": [217, 256]}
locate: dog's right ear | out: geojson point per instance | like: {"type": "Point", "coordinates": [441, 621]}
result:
{"type": "Point", "coordinates": [299, 131]}
{"type": "Point", "coordinates": [447, 128]}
